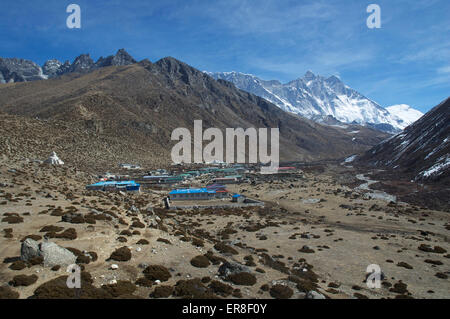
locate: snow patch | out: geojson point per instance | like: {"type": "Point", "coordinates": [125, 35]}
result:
{"type": "Point", "coordinates": [405, 113]}
{"type": "Point", "coordinates": [350, 159]}
{"type": "Point", "coordinates": [438, 168]}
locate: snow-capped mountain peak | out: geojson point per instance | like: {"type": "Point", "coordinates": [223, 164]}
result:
{"type": "Point", "coordinates": [309, 75]}
{"type": "Point", "coordinates": [317, 97]}
{"type": "Point", "coordinates": [405, 113]}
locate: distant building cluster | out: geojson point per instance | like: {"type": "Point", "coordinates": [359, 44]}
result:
{"type": "Point", "coordinates": [191, 183]}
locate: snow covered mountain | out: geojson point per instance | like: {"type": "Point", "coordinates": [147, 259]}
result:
{"type": "Point", "coordinates": [319, 98]}
{"type": "Point", "coordinates": [405, 113]}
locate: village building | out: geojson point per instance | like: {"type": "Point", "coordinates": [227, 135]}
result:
{"type": "Point", "coordinates": [112, 186]}
{"type": "Point", "coordinates": [155, 178]}
{"type": "Point", "coordinates": [204, 193]}
{"type": "Point", "coordinates": [163, 179]}
{"type": "Point", "coordinates": [233, 179]}
{"type": "Point", "coordinates": [129, 166]}
{"type": "Point", "coordinates": [238, 198]}
{"type": "Point", "coordinates": [172, 180]}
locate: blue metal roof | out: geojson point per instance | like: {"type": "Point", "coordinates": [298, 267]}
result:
{"type": "Point", "coordinates": [114, 183]}
{"type": "Point", "coordinates": [191, 191]}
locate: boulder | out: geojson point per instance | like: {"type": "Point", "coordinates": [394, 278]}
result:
{"type": "Point", "coordinates": [314, 295]}
{"type": "Point", "coordinates": [134, 209]}
{"type": "Point", "coordinates": [152, 221]}
{"type": "Point", "coordinates": [51, 253]}
{"type": "Point", "coordinates": [74, 218]}
{"type": "Point", "coordinates": [228, 268]}
{"type": "Point", "coordinates": [29, 249]}
{"type": "Point", "coordinates": [55, 255]}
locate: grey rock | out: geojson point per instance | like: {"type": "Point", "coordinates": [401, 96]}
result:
{"type": "Point", "coordinates": [314, 295]}
{"type": "Point", "coordinates": [134, 209]}
{"type": "Point", "coordinates": [51, 253]}
{"type": "Point", "coordinates": [29, 249]}
{"type": "Point", "coordinates": [94, 211]}
{"type": "Point", "coordinates": [229, 268]}
{"type": "Point", "coordinates": [152, 220]}
{"type": "Point", "coordinates": [55, 255]}
{"type": "Point", "coordinates": [69, 217]}
{"type": "Point", "coordinates": [143, 265]}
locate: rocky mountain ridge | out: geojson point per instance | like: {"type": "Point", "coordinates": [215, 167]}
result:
{"type": "Point", "coordinates": [21, 70]}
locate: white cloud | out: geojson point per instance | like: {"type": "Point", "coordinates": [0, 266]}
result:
{"type": "Point", "coordinates": [444, 70]}
{"type": "Point", "coordinates": [324, 62]}
{"type": "Point", "coordinates": [432, 51]}
{"type": "Point", "coordinates": [286, 19]}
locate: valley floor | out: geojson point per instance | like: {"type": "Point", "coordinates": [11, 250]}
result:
{"type": "Point", "coordinates": [314, 234]}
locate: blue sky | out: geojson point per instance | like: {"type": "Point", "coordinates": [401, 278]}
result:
{"type": "Point", "coordinates": [406, 61]}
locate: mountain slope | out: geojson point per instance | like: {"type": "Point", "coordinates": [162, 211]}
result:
{"type": "Point", "coordinates": [140, 104]}
{"type": "Point", "coordinates": [421, 150]}
{"type": "Point", "coordinates": [317, 98]}
{"type": "Point", "coordinates": [80, 145]}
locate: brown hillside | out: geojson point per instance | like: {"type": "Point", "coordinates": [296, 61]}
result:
{"type": "Point", "coordinates": [127, 113]}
